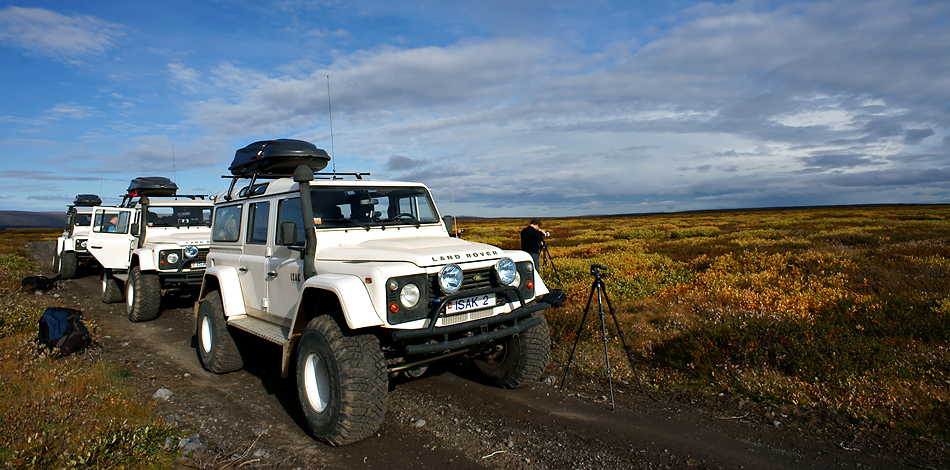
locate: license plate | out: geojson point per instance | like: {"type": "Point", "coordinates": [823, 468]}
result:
{"type": "Point", "coordinates": [470, 303]}
{"type": "Point", "coordinates": [199, 264]}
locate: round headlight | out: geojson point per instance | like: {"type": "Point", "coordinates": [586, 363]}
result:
{"type": "Point", "coordinates": [450, 278]}
{"type": "Point", "coordinates": [409, 295]}
{"type": "Point", "coordinates": [506, 271]}
{"type": "Point", "coordinates": [172, 258]}
{"type": "Point", "coordinates": [191, 251]}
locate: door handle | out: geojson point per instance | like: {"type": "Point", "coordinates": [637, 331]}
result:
{"type": "Point", "coordinates": [242, 269]}
{"type": "Point", "coordinates": [96, 247]}
{"type": "Point", "coordinates": [272, 273]}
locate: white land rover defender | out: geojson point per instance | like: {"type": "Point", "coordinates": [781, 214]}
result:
{"type": "Point", "coordinates": [155, 241]}
{"type": "Point", "coordinates": [357, 280]}
{"type": "Point", "coordinates": [71, 247]}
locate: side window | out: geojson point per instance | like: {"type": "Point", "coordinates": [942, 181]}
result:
{"type": "Point", "coordinates": [289, 211]}
{"type": "Point", "coordinates": [112, 222]}
{"type": "Point", "coordinates": [227, 223]}
{"type": "Point", "coordinates": [257, 216]}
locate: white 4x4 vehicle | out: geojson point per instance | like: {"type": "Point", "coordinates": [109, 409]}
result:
{"type": "Point", "coordinates": [358, 280]}
{"type": "Point", "coordinates": [71, 247]}
{"type": "Point", "coordinates": [154, 241]}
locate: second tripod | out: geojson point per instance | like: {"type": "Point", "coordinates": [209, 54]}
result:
{"type": "Point", "coordinates": [598, 287]}
{"type": "Point", "coordinates": [546, 260]}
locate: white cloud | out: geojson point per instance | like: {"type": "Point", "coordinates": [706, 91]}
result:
{"type": "Point", "coordinates": [57, 36]}
{"type": "Point", "coordinates": [71, 111]}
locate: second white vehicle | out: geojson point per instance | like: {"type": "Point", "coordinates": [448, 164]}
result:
{"type": "Point", "coordinates": [154, 243]}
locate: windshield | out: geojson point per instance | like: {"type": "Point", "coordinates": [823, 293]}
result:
{"type": "Point", "coordinates": [341, 207]}
{"type": "Point", "coordinates": [179, 216]}
{"type": "Point", "coordinates": [82, 220]}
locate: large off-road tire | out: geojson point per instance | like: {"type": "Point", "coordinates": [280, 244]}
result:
{"type": "Point", "coordinates": [520, 359]}
{"type": "Point", "coordinates": [216, 348]}
{"type": "Point", "coordinates": [342, 382]}
{"type": "Point", "coordinates": [143, 295]}
{"type": "Point", "coordinates": [68, 265]}
{"type": "Point", "coordinates": [111, 293]}
{"type": "Point", "coordinates": [56, 262]}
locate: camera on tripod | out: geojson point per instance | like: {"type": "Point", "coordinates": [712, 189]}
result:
{"type": "Point", "coordinates": [598, 270]}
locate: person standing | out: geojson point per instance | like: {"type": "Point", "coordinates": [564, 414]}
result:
{"type": "Point", "coordinates": [532, 241]}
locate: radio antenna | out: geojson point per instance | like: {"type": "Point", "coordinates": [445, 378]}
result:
{"type": "Point", "coordinates": [174, 170]}
{"type": "Point", "coordinates": [455, 229]}
{"type": "Point", "coordinates": [330, 108]}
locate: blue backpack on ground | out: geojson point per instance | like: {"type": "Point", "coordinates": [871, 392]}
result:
{"type": "Point", "coordinates": [62, 330]}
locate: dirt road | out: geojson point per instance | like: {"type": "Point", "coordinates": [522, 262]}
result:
{"type": "Point", "coordinates": [252, 418]}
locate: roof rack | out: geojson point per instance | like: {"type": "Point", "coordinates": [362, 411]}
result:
{"type": "Point", "coordinates": [254, 176]}
{"type": "Point", "coordinates": [128, 201]}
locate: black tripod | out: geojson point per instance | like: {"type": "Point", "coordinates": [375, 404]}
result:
{"type": "Point", "coordinates": [599, 272]}
{"type": "Point", "coordinates": [545, 260]}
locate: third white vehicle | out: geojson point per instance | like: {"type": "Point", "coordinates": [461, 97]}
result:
{"type": "Point", "coordinates": [71, 246]}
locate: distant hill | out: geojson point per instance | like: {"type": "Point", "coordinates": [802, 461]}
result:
{"type": "Point", "coordinates": [25, 219]}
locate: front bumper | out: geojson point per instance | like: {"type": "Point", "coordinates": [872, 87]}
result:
{"type": "Point", "coordinates": [445, 339]}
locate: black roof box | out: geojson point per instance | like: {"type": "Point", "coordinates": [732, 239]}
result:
{"type": "Point", "coordinates": [152, 186]}
{"type": "Point", "coordinates": [278, 157]}
{"type": "Point", "coordinates": [87, 200]}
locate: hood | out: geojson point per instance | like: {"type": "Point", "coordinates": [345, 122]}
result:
{"type": "Point", "coordinates": [422, 251]}
{"type": "Point", "coordinates": [197, 238]}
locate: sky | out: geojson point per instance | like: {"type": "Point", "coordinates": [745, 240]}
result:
{"type": "Point", "coordinates": [503, 108]}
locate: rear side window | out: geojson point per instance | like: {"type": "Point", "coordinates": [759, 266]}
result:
{"type": "Point", "coordinates": [257, 216]}
{"type": "Point", "coordinates": [227, 223]}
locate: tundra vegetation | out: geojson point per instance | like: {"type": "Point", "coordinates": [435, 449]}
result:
{"type": "Point", "coordinates": [844, 309]}
{"type": "Point", "coordinates": [71, 412]}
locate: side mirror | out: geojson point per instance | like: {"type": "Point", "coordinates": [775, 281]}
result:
{"type": "Point", "coordinates": [135, 229]}
{"type": "Point", "coordinates": [288, 233]}
{"type": "Point", "coordinates": [449, 222]}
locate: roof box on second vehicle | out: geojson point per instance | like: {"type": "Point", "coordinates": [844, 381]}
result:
{"type": "Point", "coordinates": [152, 186]}
{"type": "Point", "coordinates": [87, 200]}
{"type": "Point", "coordinates": [279, 156]}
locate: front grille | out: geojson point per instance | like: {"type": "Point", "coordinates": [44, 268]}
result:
{"type": "Point", "coordinates": [463, 317]}
{"type": "Point", "coordinates": [202, 257]}
{"type": "Point", "coordinates": [472, 279]}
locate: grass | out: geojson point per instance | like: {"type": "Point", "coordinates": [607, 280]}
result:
{"type": "Point", "coordinates": [840, 309]}
{"type": "Point", "coordinates": [64, 412]}
{"type": "Point", "coordinates": [845, 309]}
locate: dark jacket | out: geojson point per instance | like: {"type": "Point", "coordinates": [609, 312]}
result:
{"type": "Point", "coordinates": [531, 240]}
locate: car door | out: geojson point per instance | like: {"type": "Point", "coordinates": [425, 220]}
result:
{"type": "Point", "coordinates": [283, 287]}
{"type": "Point", "coordinates": [253, 267]}
{"type": "Point", "coordinates": [111, 241]}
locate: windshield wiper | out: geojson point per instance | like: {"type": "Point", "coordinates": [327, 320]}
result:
{"type": "Point", "coordinates": [349, 222]}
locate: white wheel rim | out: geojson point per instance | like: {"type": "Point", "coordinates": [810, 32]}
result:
{"type": "Point", "coordinates": [130, 293]}
{"type": "Point", "coordinates": [206, 337]}
{"type": "Point", "coordinates": [316, 382]}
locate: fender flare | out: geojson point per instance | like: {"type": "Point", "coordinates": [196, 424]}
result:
{"type": "Point", "coordinates": [146, 259]}
{"type": "Point", "coordinates": [354, 298]}
{"type": "Point", "coordinates": [226, 278]}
